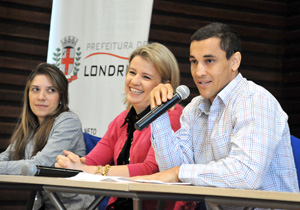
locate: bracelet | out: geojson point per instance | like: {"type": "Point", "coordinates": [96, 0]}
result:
{"type": "Point", "coordinates": [106, 169]}
{"type": "Point", "coordinates": [98, 170]}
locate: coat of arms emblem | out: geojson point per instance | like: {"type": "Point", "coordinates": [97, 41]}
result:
{"type": "Point", "coordinates": [68, 60]}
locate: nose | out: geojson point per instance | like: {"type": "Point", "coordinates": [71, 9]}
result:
{"type": "Point", "coordinates": [200, 70]}
{"type": "Point", "coordinates": [41, 95]}
{"type": "Point", "coordinates": [135, 80]}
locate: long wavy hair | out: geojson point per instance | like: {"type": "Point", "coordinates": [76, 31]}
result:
{"type": "Point", "coordinates": [162, 59]}
{"type": "Point", "coordinates": [28, 126]}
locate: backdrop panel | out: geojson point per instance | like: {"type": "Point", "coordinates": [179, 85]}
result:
{"type": "Point", "coordinates": [90, 41]}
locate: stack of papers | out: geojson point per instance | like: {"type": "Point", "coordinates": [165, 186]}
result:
{"type": "Point", "coordinates": [97, 178]}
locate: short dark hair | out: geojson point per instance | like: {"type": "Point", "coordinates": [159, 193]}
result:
{"type": "Point", "coordinates": [230, 40]}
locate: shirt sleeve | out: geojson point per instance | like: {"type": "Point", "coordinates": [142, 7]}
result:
{"type": "Point", "coordinates": [4, 156]}
{"type": "Point", "coordinates": [101, 154]}
{"type": "Point", "coordinates": [66, 134]}
{"type": "Point", "coordinates": [172, 149]}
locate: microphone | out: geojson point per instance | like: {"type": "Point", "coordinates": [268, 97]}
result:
{"type": "Point", "coordinates": [29, 169]}
{"type": "Point", "coordinates": [182, 92]}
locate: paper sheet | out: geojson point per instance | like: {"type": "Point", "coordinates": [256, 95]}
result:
{"type": "Point", "coordinates": [96, 178]}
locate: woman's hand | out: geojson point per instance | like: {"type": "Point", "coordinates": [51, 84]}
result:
{"type": "Point", "coordinates": [69, 160]}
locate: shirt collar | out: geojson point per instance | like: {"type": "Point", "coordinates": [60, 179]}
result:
{"type": "Point", "coordinates": [228, 90]}
{"type": "Point", "coordinates": [224, 95]}
{"type": "Point", "coordinates": [204, 105]}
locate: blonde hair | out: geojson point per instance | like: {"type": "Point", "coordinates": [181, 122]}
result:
{"type": "Point", "coordinates": [162, 59]}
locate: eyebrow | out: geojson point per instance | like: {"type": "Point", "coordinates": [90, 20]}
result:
{"type": "Point", "coordinates": [39, 86]}
{"type": "Point", "coordinates": [209, 56]}
{"type": "Point", "coordinates": [205, 56]}
{"type": "Point", "coordinates": [33, 85]}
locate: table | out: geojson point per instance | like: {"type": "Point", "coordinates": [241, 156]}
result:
{"type": "Point", "coordinates": [214, 197]}
{"type": "Point", "coordinates": [51, 185]}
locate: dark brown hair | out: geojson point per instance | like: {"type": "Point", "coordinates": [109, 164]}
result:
{"type": "Point", "coordinates": [28, 126]}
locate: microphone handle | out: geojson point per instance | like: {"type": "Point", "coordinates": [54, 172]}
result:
{"type": "Point", "coordinates": [156, 112]}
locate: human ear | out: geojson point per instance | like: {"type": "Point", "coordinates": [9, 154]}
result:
{"type": "Point", "coordinates": [236, 59]}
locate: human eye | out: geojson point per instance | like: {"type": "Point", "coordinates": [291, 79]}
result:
{"type": "Point", "coordinates": [193, 61]}
{"type": "Point", "coordinates": [131, 72]}
{"type": "Point", "coordinates": [209, 61]}
{"type": "Point", "coordinates": [51, 90]}
{"type": "Point", "coordinates": [34, 89]}
{"type": "Point", "coordinates": [147, 77]}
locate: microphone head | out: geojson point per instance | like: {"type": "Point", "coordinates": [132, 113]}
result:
{"type": "Point", "coordinates": [183, 91]}
{"type": "Point", "coordinates": [28, 169]}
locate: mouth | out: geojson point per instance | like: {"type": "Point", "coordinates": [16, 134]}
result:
{"type": "Point", "coordinates": [40, 105]}
{"type": "Point", "coordinates": [136, 91]}
{"type": "Point", "coordinates": [205, 83]}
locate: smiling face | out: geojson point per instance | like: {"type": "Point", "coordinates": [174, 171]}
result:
{"type": "Point", "coordinates": [141, 78]}
{"type": "Point", "coordinates": [43, 97]}
{"type": "Point", "coordinates": [210, 68]}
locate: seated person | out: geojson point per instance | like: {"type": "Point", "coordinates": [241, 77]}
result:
{"type": "Point", "coordinates": [234, 135]}
{"type": "Point", "coordinates": [127, 149]}
{"type": "Point", "coordinates": [46, 125]}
